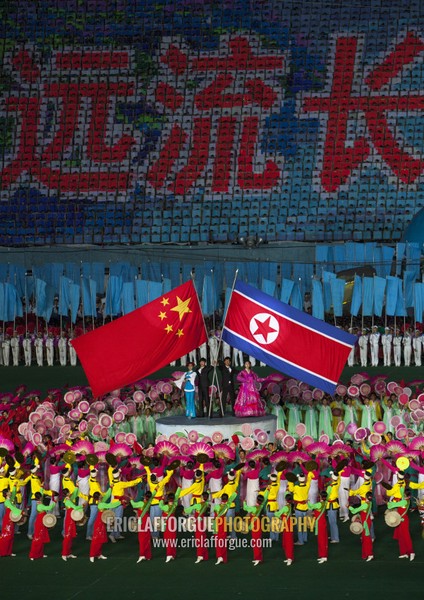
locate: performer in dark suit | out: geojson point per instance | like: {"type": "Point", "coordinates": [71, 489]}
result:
{"type": "Point", "coordinates": [228, 379]}
{"type": "Point", "coordinates": [203, 387]}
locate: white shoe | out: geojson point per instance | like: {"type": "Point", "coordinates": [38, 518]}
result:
{"type": "Point", "coordinates": [334, 541]}
{"type": "Point", "coordinates": [112, 539]}
{"type": "Point", "coordinates": [120, 537]}
{"type": "Point", "coordinates": [72, 556]}
{"type": "Point", "coordinates": [345, 519]}
{"type": "Point", "coordinates": [29, 537]}
{"type": "Point", "coordinates": [88, 539]}
{"type": "Point", "coordinates": [169, 558]}
{"type": "Point", "coordinates": [31, 559]}
{"type": "Point", "coordinates": [255, 562]}
{"type": "Point", "coordinates": [15, 555]}
{"type": "Point", "coordinates": [102, 557]}
{"type": "Point", "coordinates": [65, 558]}
{"type": "Point", "coordinates": [370, 558]}
{"type": "Point", "coordinates": [289, 562]}
{"type": "Point", "coordinates": [219, 561]}
{"type": "Point", "coordinates": [91, 558]}
{"type": "Point", "coordinates": [404, 556]}
{"type": "Point", "coordinates": [198, 560]}
{"type": "Point", "coordinates": [411, 556]}
{"type": "Point", "coordinates": [141, 558]}
{"type": "Point", "coordinates": [44, 555]}
{"type": "Point", "coordinates": [286, 561]}
{"type": "Point", "coordinates": [322, 560]}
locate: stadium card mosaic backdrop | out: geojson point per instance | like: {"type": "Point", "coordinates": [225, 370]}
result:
{"type": "Point", "coordinates": [185, 121]}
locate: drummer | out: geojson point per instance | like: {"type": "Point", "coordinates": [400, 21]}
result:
{"type": "Point", "coordinates": [70, 530]}
{"type": "Point", "coordinates": [364, 510]}
{"type": "Point", "coordinates": [41, 534]}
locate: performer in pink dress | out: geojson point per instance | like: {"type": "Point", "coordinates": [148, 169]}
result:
{"type": "Point", "coordinates": [248, 402]}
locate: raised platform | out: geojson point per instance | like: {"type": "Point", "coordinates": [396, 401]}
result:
{"type": "Point", "coordinates": [227, 425]}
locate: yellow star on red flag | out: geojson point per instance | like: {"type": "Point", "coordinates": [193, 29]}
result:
{"type": "Point", "coordinates": [168, 328]}
{"type": "Point", "coordinates": [182, 307]}
{"type": "Point", "coordinates": [164, 301]}
{"type": "Point", "coordinates": [180, 332]}
{"type": "Point", "coordinates": [162, 316]}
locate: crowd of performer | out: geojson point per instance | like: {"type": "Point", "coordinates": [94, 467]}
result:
{"type": "Point", "coordinates": [328, 484]}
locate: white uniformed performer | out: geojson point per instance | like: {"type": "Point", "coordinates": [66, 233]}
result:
{"type": "Point", "coordinates": [72, 353]}
{"type": "Point", "coordinates": [213, 347]}
{"type": "Point", "coordinates": [14, 344]}
{"type": "Point", "coordinates": [374, 343]}
{"type": "Point", "coordinates": [407, 347]}
{"type": "Point", "coordinates": [6, 351]}
{"type": "Point", "coordinates": [27, 346]}
{"type": "Point", "coordinates": [417, 346]}
{"type": "Point", "coordinates": [39, 344]}
{"type": "Point", "coordinates": [397, 348]}
{"type": "Point", "coordinates": [50, 349]}
{"type": "Point", "coordinates": [1, 347]}
{"type": "Point", "coordinates": [203, 350]}
{"type": "Point", "coordinates": [351, 357]}
{"type": "Point", "coordinates": [62, 345]}
{"type": "Point", "coordinates": [363, 348]}
{"type": "Point", "coordinates": [386, 340]}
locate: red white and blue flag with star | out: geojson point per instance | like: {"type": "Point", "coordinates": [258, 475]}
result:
{"type": "Point", "coordinates": [286, 338]}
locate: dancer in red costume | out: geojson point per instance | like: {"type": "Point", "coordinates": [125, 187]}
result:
{"type": "Point", "coordinates": [287, 537]}
{"type": "Point", "coordinates": [144, 531]}
{"type": "Point", "coordinates": [402, 533]}
{"type": "Point", "coordinates": [170, 533]}
{"type": "Point", "coordinates": [256, 526]}
{"type": "Point", "coordinates": [69, 527]}
{"type": "Point", "coordinates": [200, 509]}
{"type": "Point", "coordinates": [8, 528]}
{"type": "Point", "coordinates": [321, 529]}
{"type": "Point", "coordinates": [99, 532]}
{"type": "Point", "coordinates": [41, 533]}
{"type": "Point", "coordinates": [364, 511]}
{"type": "Point", "coordinates": [221, 546]}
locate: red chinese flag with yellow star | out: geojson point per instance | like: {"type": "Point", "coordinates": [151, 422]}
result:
{"type": "Point", "coordinates": [143, 341]}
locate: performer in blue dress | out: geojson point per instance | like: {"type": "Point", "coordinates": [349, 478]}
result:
{"type": "Point", "coordinates": [188, 382]}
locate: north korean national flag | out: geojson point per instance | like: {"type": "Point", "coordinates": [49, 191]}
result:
{"type": "Point", "coordinates": [286, 338]}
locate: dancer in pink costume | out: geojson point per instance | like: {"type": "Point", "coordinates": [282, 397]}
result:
{"type": "Point", "coordinates": [248, 402]}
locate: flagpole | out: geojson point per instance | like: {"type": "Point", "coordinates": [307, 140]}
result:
{"type": "Point", "coordinates": [362, 305]}
{"type": "Point", "coordinates": [215, 375]}
{"type": "Point", "coordinates": [91, 302]}
{"type": "Point", "coordinates": [373, 297]}
{"type": "Point", "coordinates": [26, 304]}
{"type": "Point", "coordinates": [82, 304]}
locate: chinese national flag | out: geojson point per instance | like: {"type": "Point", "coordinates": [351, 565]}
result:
{"type": "Point", "coordinates": [145, 340]}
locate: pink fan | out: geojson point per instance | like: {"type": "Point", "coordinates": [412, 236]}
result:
{"type": "Point", "coordinates": [262, 437]}
{"type": "Point", "coordinates": [138, 396]}
{"type": "Point", "coordinates": [77, 395]}
{"type": "Point", "coordinates": [159, 406]}
{"type": "Point", "coordinates": [289, 442]}
{"type": "Point", "coordinates": [173, 438]}
{"type": "Point", "coordinates": [357, 379]}
{"type": "Point", "coordinates": [122, 450]}
{"type": "Point", "coordinates": [150, 452]}
{"type": "Point", "coordinates": [307, 395]}
{"type": "Point", "coordinates": [59, 420]}
{"type": "Point", "coordinates": [34, 417]}
{"type": "Point", "coordinates": [132, 408]}
{"type": "Point", "coordinates": [421, 398]}
{"type": "Point", "coordinates": [65, 429]}
{"type": "Point", "coordinates": [317, 394]}
{"type": "Point", "coordinates": [69, 397]}
{"type": "Point", "coordinates": [407, 391]}
{"type": "Point", "coordinates": [307, 440]}
{"type": "Point", "coordinates": [48, 423]}
{"type": "Point", "coordinates": [340, 428]}
{"type": "Point", "coordinates": [180, 441]}
{"type": "Point", "coordinates": [40, 427]}
{"type": "Point", "coordinates": [376, 452]}
{"type": "Point", "coordinates": [75, 414]}
{"type": "Point", "coordinates": [276, 377]}
{"type": "Point", "coordinates": [185, 449]}
{"type": "Point", "coordinates": [224, 451]}
{"type": "Point", "coordinates": [360, 434]}
{"type": "Point", "coordinates": [380, 427]}
{"type": "Point", "coordinates": [398, 390]}
{"type": "Point", "coordinates": [193, 436]}
{"type": "Point", "coordinates": [275, 399]}
{"type": "Point", "coordinates": [201, 448]}
{"type": "Point", "coordinates": [247, 444]}
{"type": "Point", "coordinates": [298, 456]}
{"type": "Point", "coordinates": [319, 449]}
{"type": "Point", "coordinates": [401, 432]}
{"type": "Point", "coordinates": [417, 443]}
{"type": "Point", "coordinates": [60, 449]}
{"type": "Point", "coordinates": [28, 449]}
{"type": "Point", "coordinates": [300, 429]}
{"type": "Point", "coordinates": [324, 438]}
{"type": "Point", "coordinates": [257, 454]}
{"type": "Point", "coordinates": [413, 454]}
{"type": "Point", "coordinates": [380, 387]}
{"type": "Point", "coordinates": [414, 404]}
{"type": "Point", "coordinates": [97, 430]}
{"type": "Point", "coordinates": [83, 447]}
{"type": "Point", "coordinates": [341, 390]}
{"type": "Point", "coordinates": [391, 387]}
{"type": "Point", "coordinates": [153, 394]}
{"type": "Point", "coordinates": [374, 438]}
{"type": "Point", "coordinates": [403, 399]}
{"type": "Point", "coordinates": [104, 433]}
{"type": "Point", "coordinates": [420, 414]}
{"type": "Point", "coordinates": [120, 437]}
{"type": "Point", "coordinates": [99, 406]}
{"type": "Point", "coordinates": [353, 391]}
{"type": "Point", "coordinates": [279, 433]}
{"type": "Point", "coordinates": [217, 437]}
{"type": "Point", "coordinates": [161, 438]}
{"type": "Point", "coordinates": [130, 438]}
{"type": "Point", "coordinates": [101, 447]}
{"type": "Point", "coordinates": [415, 417]}
{"type": "Point", "coordinates": [84, 406]}
{"type": "Point", "coordinates": [105, 420]}
{"type": "Point", "coordinates": [7, 444]}
{"type": "Point", "coordinates": [294, 391]}
{"type": "Point", "coordinates": [118, 416]}
{"type": "Point", "coordinates": [37, 438]}
{"type": "Point", "coordinates": [395, 447]}
{"type": "Point", "coordinates": [339, 448]}
{"type": "Point", "coordinates": [365, 389]}
{"type": "Point", "coordinates": [167, 448]}
{"type": "Point", "coordinates": [101, 455]}
{"type": "Point", "coordinates": [22, 428]}
{"type": "Point", "coordinates": [273, 388]}
{"type": "Point", "coordinates": [395, 421]}
{"type": "Point", "coordinates": [207, 440]}
{"type": "Point", "coordinates": [278, 457]}
{"type": "Point", "coordinates": [167, 388]}
{"type": "Point", "coordinates": [246, 429]}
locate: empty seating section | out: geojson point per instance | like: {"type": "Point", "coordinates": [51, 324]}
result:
{"type": "Point", "coordinates": [149, 122]}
